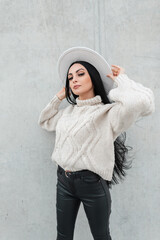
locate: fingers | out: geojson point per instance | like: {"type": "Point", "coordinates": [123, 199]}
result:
{"type": "Point", "coordinates": [116, 66]}
{"type": "Point", "coordinates": [116, 69]}
{"type": "Point", "coordinates": [115, 72]}
{"type": "Point", "coordinates": [110, 76]}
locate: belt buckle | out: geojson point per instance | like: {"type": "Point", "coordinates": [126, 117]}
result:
{"type": "Point", "coordinates": [66, 174]}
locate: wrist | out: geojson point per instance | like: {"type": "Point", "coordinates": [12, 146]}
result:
{"type": "Point", "coordinates": [59, 97]}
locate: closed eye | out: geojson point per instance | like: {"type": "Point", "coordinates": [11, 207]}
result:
{"type": "Point", "coordinates": [81, 74]}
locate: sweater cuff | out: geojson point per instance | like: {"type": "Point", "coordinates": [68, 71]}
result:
{"type": "Point", "coordinates": [121, 78]}
{"type": "Point", "coordinates": [56, 101]}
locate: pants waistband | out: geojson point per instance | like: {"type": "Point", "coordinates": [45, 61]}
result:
{"type": "Point", "coordinates": [84, 172]}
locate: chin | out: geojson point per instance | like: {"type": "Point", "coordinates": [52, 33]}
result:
{"type": "Point", "coordinates": [75, 91]}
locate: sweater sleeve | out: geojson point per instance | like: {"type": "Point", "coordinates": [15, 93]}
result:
{"type": "Point", "coordinates": [50, 115]}
{"type": "Point", "coordinates": [131, 101]}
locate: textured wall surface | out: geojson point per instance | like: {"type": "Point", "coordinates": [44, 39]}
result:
{"type": "Point", "coordinates": [33, 33]}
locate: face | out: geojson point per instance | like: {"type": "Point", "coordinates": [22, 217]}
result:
{"type": "Point", "coordinates": [78, 75]}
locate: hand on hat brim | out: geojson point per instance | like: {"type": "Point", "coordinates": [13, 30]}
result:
{"type": "Point", "coordinates": [116, 71]}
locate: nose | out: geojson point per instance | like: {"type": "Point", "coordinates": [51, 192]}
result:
{"type": "Point", "coordinates": [74, 79]}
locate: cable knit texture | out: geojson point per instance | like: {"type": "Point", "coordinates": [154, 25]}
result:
{"type": "Point", "coordinates": [85, 132]}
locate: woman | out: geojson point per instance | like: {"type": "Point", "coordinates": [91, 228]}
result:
{"type": "Point", "coordinates": [88, 151]}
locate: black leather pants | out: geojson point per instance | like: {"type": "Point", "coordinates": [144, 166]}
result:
{"type": "Point", "coordinates": [89, 188]}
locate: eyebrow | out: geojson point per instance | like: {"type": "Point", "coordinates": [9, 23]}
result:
{"type": "Point", "coordinates": [77, 71]}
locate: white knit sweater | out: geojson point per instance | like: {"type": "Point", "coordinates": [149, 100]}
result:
{"type": "Point", "coordinates": [85, 132]}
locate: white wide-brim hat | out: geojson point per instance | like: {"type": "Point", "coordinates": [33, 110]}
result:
{"type": "Point", "coordinates": [88, 55]}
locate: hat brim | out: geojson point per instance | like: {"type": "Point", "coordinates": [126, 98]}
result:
{"type": "Point", "coordinates": [88, 55]}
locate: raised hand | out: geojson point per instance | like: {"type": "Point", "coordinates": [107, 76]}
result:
{"type": "Point", "coordinates": [62, 94]}
{"type": "Point", "coordinates": [116, 70]}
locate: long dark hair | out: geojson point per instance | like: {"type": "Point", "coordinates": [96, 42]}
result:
{"type": "Point", "coordinates": [121, 163]}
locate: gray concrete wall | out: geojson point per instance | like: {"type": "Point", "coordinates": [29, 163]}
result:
{"type": "Point", "coordinates": [33, 33]}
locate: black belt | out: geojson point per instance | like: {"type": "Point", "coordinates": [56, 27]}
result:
{"type": "Point", "coordinates": [84, 172]}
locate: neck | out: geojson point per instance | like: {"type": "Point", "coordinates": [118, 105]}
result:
{"type": "Point", "coordinates": [84, 97]}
